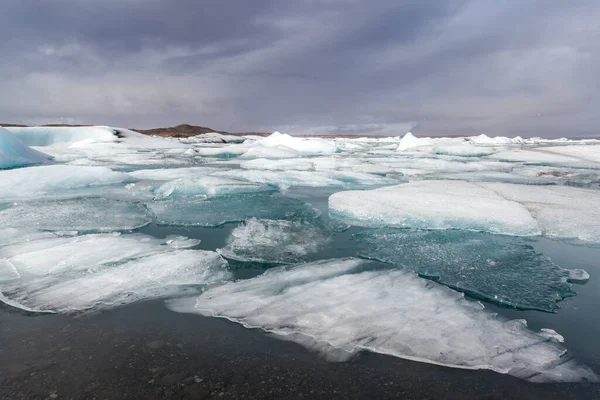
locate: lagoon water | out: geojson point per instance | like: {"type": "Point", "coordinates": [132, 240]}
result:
{"type": "Point", "coordinates": [472, 253]}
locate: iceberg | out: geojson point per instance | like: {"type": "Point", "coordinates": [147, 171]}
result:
{"type": "Point", "coordinates": [434, 205]}
{"type": "Point", "coordinates": [343, 306]}
{"type": "Point", "coordinates": [277, 242]}
{"type": "Point", "coordinates": [500, 269]}
{"type": "Point", "coordinates": [13, 153]}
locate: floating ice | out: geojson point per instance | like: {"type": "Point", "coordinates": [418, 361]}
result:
{"type": "Point", "coordinates": [169, 174]}
{"type": "Point", "coordinates": [213, 137]}
{"type": "Point", "coordinates": [346, 305]}
{"type": "Point", "coordinates": [13, 153]}
{"type": "Point", "coordinates": [208, 186]}
{"type": "Point", "coordinates": [273, 241]}
{"type": "Point", "coordinates": [300, 145]}
{"type": "Point", "coordinates": [86, 214]}
{"type": "Point", "coordinates": [434, 205]}
{"type": "Point", "coordinates": [583, 152]}
{"type": "Point", "coordinates": [538, 157]}
{"type": "Point", "coordinates": [109, 284]}
{"type": "Point", "coordinates": [410, 141]}
{"type": "Point", "coordinates": [561, 211]}
{"type": "Point", "coordinates": [270, 152]}
{"type": "Point", "coordinates": [230, 208]}
{"type": "Point", "coordinates": [36, 182]}
{"type": "Point", "coordinates": [307, 178]}
{"type": "Point", "coordinates": [499, 269]}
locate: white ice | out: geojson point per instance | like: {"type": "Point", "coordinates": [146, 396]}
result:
{"type": "Point", "coordinates": [560, 211]}
{"type": "Point", "coordinates": [208, 186]}
{"type": "Point", "coordinates": [49, 180]}
{"type": "Point", "coordinates": [343, 306]}
{"type": "Point", "coordinates": [434, 205]}
{"type": "Point", "coordinates": [157, 275]}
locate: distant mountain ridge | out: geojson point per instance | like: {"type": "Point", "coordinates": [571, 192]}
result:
{"type": "Point", "coordinates": [179, 131]}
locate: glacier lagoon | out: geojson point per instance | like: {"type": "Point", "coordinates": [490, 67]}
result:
{"type": "Point", "coordinates": [475, 253]}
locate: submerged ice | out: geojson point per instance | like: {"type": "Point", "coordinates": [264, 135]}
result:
{"type": "Point", "coordinates": [342, 306]}
{"type": "Point", "coordinates": [500, 269]}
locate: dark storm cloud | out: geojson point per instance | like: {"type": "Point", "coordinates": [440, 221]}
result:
{"type": "Point", "coordinates": [441, 67]}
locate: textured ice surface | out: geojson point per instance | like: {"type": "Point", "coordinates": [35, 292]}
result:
{"type": "Point", "coordinates": [36, 182]}
{"type": "Point", "coordinates": [13, 153]}
{"type": "Point", "coordinates": [434, 205]}
{"type": "Point", "coordinates": [307, 178]}
{"type": "Point", "coordinates": [168, 174]}
{"type": "Point", "coordinates": [213, 137]}
{"type": "Point", "coordinates": [88, 252]}
{"type": "Point", "coordinates": [86, 214]}
{"type": "Point", "coordinates": [301, 145]}
{"type": "Point", "coordinates": [47, 136]}
{"type": "Point", "coordinates": [217, 211]}
{"type": "Point", "coordinates": [542, 157]}
{"type": "Point", "coordinates": [208, 186]}
{"type": "Point", "coordinates": [273, 241]}
{"type": "Point", "coordinates": [346, 305]}
{"type": "Point", "coordinates": [110, 284]}
{"type": "Point", "coordinates": [561, 211]}
{"type": "Point", "coordinates": [583, 152]}
{"type": "Point", "coordinates": [496, 268]}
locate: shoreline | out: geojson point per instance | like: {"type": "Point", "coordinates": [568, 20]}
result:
{"type": "Point", "coordinates": [145, 351]}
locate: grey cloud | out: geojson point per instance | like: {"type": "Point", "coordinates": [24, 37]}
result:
{"type": "Point", "coordinates": [347, 66]}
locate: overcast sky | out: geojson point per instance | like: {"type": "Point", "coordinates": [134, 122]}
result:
{"type": "Point", "coordinates": [436, 67]}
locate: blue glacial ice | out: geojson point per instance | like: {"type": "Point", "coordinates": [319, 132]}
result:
{"type": "Point", "coordinates": [14, 153]}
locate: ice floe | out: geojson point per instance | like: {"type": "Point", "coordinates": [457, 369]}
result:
{"type": "Point", "coordinates": [342, 306]}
